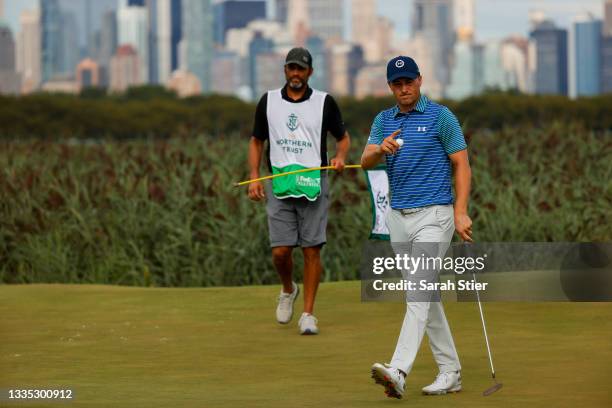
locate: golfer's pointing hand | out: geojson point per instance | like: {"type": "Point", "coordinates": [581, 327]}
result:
{"type": "Point", "coordinates": [389, 145]}
{"type": "Point", "coordinates": [256, 191]}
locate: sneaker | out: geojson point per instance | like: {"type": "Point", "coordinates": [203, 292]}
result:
{"type": "Point", "coordinates": [284, 310]}
{"type": "Point", "coordinates": [390, 378]}
{"type": "Point", "coordinates": [308, 324]}
{"type": "Point", "coordinates": [449, 381]}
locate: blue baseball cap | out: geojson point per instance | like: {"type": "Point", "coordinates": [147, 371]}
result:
{"type": "Point", "coordinates": [402, 67]}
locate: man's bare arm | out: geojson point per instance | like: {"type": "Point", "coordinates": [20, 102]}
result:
{"type": "Point", "coordinates": [342, 148]}
{"type": "Point", "coordinates": [463, 177]}
{"type": "Point", "coordinates": [256, 190]}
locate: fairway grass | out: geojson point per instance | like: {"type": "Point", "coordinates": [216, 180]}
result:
{"type": "Point", "coordinates": [221, 347]}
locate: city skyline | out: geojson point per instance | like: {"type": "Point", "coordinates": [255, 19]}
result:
{"type": "Point", "coordinates": [488, 26]}
{"type": "Point", "coordinates": [178, 44]}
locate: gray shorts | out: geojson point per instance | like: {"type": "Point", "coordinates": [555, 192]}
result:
{"type": "Point", "coordinates": [298, 221]}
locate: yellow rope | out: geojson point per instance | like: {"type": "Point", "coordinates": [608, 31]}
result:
{"type": "Point", "coordinates": [242, 183]}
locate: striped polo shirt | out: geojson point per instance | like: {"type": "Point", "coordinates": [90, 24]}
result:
{"type": "Point", "coordinates": [420, 172]}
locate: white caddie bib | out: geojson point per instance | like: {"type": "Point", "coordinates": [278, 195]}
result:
{"type": "Point", "coordinates": [295, 143]}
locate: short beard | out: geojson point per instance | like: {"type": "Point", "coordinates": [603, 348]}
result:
{"type": "Point", "coordinates": [295, 86]}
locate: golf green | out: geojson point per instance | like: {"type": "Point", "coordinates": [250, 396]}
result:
{"type": "Point", "coordinates": [220, 347]}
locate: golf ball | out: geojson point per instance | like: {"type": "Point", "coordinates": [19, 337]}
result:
{"type": "Point", "coordinates": [400, 142]}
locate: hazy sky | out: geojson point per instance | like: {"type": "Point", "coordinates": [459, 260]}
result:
{"type": "Point", "coordinates": [494, 18]}
{"type": "Point", "coordinates": [499, 18]}
{"type": "Point", "coordinates": [12, 9]}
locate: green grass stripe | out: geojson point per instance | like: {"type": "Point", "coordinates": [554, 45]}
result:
{"type": "Point", "coordinates": [221, 347]}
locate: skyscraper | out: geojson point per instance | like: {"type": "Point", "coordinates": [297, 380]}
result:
{"type": "Point", "coordinates": [51, 38]}
{"type": "Point", "coordinates": [29, 51]}
{"type": "Point", "coordinates": [108, 45]}
{"type": "Point", "coordinates": [165, 18]}
{"type": "Point", "coordinates": [269, 73]}
{"type": "Point", "coordinates": [238, 39]}
{"type": "Point", "coordinates": [464, 19]}
{"type": "Point", "coordinates": [319, 78]}
{"type": "Point", "coordinates": [606, 49]}
{"type": "Point", "coordinates": [326, 18]}
{"type": "Point", "coordinates": [280, 8]}
{"type": "Point", "coordinates": [363, 20]}
{"type": "Point", "coordinates": [227, 73]}
{"type": "Point", "coordinates": [236, 14]}
{"type": "Point", "coordinates": [585, 62]}
{"type": "Point", "coordinates": [69, 48]}
{"type": "Point", "coordinates": [92, 37]}
{"type": "Point", "coordinates": [176, 21]}
{"type": "Point", "coordinates": [369, 81]}
{"type": "Point", "coordinates": [259, 45]}
{"type": "Point", "coordinates": [156, 28]}
{"type": "Point", "coordinates": [132, 29]}
{"type": "Point", "coordinates": [7, 48]}
{"type": "Point", "coordinates": [466, 77]}
{"type": "Point", "coordinates": [433, 29]}
{"type": "Point", "coordinates": [493, 73]}
{"type": "Point", "coordinates": [468, 62]}
{"type": "Point", "coordinates": [197, 42]}
{"type": "Point", "coordinates": [514, 61]}
{"type": "Point", "coordinates": [9, 78]}
{"type": "Point", "coordinates": [93, 12]}
{"type": "Point", "coordinates": [606, 64]}
{"type": "Point", "coordinates": [434, 17]}
{"type": "Point", "coordinates": [550, 59]}
{"type": "Point", "coordinates": [70, 30]}
{"type": "Point", "coordinates": [298, 21]}
{"type": "Point", "coordinates": [347, 60]}
{"type": "Point", "coordinates": [608, 18]}
{"type": "Point", "coordinates": [371, 31]}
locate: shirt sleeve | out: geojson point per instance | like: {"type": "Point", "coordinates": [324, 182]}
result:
{"type": "Point", "coordinates": [450, 132]}
{"type": "Point", "coordinates": [376, 131]}
{"type": "Point", "coordinates": [332, 118]}
{"type": "Point", "coordinates": [260, 128]}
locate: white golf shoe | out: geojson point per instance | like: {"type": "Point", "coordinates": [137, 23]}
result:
{"type": "Point", "coordinates": [308, 324]}
{"type": "Point", "coordinates": [390, 378]}
{"type": "Point", "coordinates": [284, 309]}
{"type": "Point", "coordinates": [449, 381]}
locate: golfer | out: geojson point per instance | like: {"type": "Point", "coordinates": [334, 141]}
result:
{"type": "Point", "coordinates": [295, 120]}
{"type": "Point", "coordinates": [422, 213]}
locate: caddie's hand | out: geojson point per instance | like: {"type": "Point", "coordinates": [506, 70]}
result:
{"type": "Point", "coordinates": [389, 145]}
{"type": "Point", "coordinates": [256, 191]}
{"type": "Point", "coordinates": [463, 226]}
{"type": "Point", "coordinates": [338, 163]}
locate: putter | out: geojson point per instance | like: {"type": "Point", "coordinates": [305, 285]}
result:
{"type": "Point", "coordinates": [497, 385]}
{"type": "Point", "coordinates": [467, 251]}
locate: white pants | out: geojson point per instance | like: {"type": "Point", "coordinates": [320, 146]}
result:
{"type": "Point", "coordinates": [435, 226]}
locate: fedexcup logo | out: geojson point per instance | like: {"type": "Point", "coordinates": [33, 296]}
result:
{"type": "Point", "coordinates": [292, 122]}
{"type": "Point", "coordinates": [399, 63]}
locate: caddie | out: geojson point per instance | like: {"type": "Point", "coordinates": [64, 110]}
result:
{"type": "Point", "coordinates": [295, 120]}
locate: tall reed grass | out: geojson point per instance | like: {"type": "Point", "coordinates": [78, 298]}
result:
{"type": "Point", "coordinates": [165, 213]}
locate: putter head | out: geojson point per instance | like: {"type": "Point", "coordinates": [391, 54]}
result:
{"type": "Point", "coordinates": [492, 389]}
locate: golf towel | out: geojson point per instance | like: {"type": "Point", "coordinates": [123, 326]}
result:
{"type": "Point", "coordinates": [295, 143]}
{"type": "Point", "coordinates": [378, 185]}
